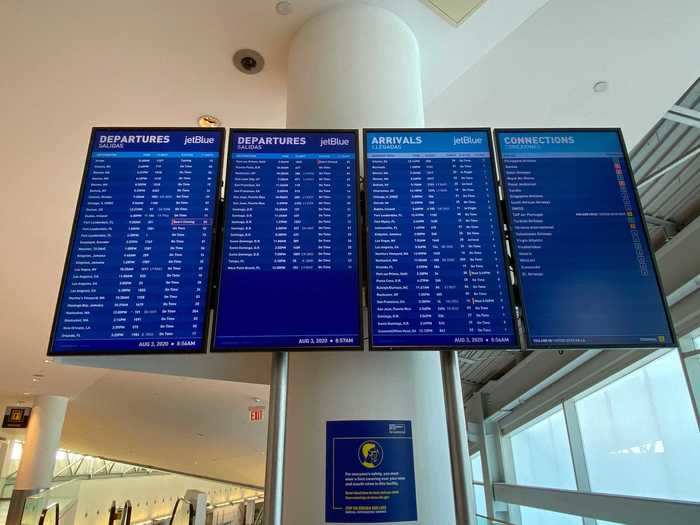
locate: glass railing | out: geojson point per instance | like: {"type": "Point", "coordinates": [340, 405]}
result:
{"type": "Point", "coordinates": [183, 513]}
{"type": "Point", "coordinates": [64, 495]}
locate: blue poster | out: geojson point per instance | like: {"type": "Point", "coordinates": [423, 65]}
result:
{"type": "Point", "coordinates": [369, 472]}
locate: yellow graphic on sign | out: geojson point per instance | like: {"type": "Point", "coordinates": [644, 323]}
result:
{"type": "Point", "coordinates": [370, 454]}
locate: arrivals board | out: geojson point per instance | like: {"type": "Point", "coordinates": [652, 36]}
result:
{"type": "Point", "coordinates": [437, 270]}
{"type": "Point", "coordinates": [586, 273]}
{"type": "Point", "coordinates": [136, 278]}
{"type": "Point", "coordinates": [289, 274]}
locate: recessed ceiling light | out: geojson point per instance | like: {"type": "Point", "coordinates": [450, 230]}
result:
{"type": "Point", "coordinates": [248, 61]}
{"type": "Point", "coordinates": [601, 86]}
{"type": "Point", "coordinates": [283, 8]}
{"type": "Point", "coordinates": [208, 121]}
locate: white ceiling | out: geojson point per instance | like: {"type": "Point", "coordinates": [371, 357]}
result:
{"type": "Point", "coordinates": [67, 66]}
{"type": "Point", "coordinates": [543, 73]}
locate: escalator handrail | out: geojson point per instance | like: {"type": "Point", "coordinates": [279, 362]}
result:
{"type": "Point", "coordinates": [183, 500]}
{"type": "Point", "coordinates": [44, 512]}
{"type": "Point", "coordinates": [126, 513]}
{"type": "Point", "coordinates": [112, 513]}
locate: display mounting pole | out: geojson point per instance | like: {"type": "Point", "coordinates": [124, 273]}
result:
{"type": "Point", "coordinates": [457, 436]}
{"type": "Point", "coordinates": [276, 428]}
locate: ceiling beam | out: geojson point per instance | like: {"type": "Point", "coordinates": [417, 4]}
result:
{"type": "Point", "coordinates": [669, 167]}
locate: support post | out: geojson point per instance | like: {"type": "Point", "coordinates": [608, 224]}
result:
{"type": "Point", "coordinates": [465, 508]}
{"type": "Point", "coordinates": [276, 428]}
{"type": "Point", "coordinates": [39, 452]}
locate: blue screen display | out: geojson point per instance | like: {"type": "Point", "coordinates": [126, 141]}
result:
{"type": "Point", "coordinates": [585, 269]}
{"type": "Point", "coordinates": [437, 265]}
{"type": "Point", "coordinates": [289, 273]}
{"type": "Point", "coordinates": [137, 274]}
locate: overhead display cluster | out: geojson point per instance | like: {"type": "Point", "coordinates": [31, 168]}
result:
{"type": "Point", "coordinates": [442, 249]}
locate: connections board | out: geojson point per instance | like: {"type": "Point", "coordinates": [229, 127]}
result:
{"type": "Point", "coordinates": [136, 278]}
{"type": "Point", "coordinates": [437, 269]}
{"type": "Point", "coordinates": [289, 276]}
{"type": "Point", "coordinates": [586, 272]}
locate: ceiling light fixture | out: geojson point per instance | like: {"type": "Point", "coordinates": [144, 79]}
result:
{"type": "Point", "coordinates": [208, 121]}
{"type": "Point", "coordinates": [248, 61]}
{"type": "Point", "coordinates": [283, 8]}
{"type": "Point", "coordinates": [601, 86]}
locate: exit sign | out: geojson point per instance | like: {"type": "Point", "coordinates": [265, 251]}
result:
{"type": "Point", "coordinates": [256, 414]}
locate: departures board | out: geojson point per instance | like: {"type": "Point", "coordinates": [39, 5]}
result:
{"type": "Point", "coordinates": [136, 278]}
{"type": "Point", "coordinates": [437, 269]}
{"type": "Point", "coordinates": [587, 275]}
{"type": "Point", "coordinates": [289, 275]}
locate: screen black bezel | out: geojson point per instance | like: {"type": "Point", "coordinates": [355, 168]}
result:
{"type": "Point", "coordinates": [499, 214]}
{"type": "Point", "coordinates": [358, 260]}
{"type": "Point", "coordinates": [540, 346]}
{"type": "Point", "coordinates": [202, 348]}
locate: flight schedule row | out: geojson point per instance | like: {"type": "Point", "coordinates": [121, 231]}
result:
{"type": "Point", "coordinates": [436, 258]}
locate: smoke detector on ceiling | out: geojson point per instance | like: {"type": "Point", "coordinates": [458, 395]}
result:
{"type": "Point", "coordinates": [455, 11]}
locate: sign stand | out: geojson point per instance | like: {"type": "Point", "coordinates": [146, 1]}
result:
{"type": "Point", "coordinates": [276, 431]}
{"type": "Point", "coordinates": [457, 436]}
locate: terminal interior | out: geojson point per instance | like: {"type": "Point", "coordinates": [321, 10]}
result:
{"type": "Point", "coordinates": [571, 435]}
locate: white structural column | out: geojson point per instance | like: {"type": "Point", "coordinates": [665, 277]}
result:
{"type": "Point", "coordinates": [356, 67]}
{"type": "Point", "coordinates": [43, 436]}
{"type": "Point", "coordinates": [39, 452]}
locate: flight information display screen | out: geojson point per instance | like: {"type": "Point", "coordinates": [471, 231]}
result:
{"type": "Point", "coordinates": [586, 273]}
{"type": "Point", "coordinates": [289, 268]}
{"type": "Point", "coordinates": [137, 272]}
{"type": "Point", "coordinates": [436, 252]}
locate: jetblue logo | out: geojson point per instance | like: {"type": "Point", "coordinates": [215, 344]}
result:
{"type": "Point", "coordinates": [199, 139]}
{"type": "Point", "coordinates": [335, 141]}
{"type": "Point", "coordinates": [465, 139]}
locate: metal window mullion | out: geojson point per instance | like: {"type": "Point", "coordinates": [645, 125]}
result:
{"type": "Point", "coordinates": [578, 455]}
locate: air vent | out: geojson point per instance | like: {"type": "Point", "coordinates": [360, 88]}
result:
{"type": "Point", "coordinates": [455, 11]}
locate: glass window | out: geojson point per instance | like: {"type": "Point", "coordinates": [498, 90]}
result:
{"type": "Point", "coordinates": [477, 472]}
{"type": "Point", "coordinates": [480, 498]}
{"type": "Point", "coordinates": [639, 434]}
{"type": "Point", "coordinates": [532, 516]}
{"type": "Point", "coordinates": [478, 478]}
{"type": "Point", "coordinates": [541, 454]}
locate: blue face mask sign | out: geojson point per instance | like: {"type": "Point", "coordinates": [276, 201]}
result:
{"type": "Point", "coordinates": [369, 472]}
